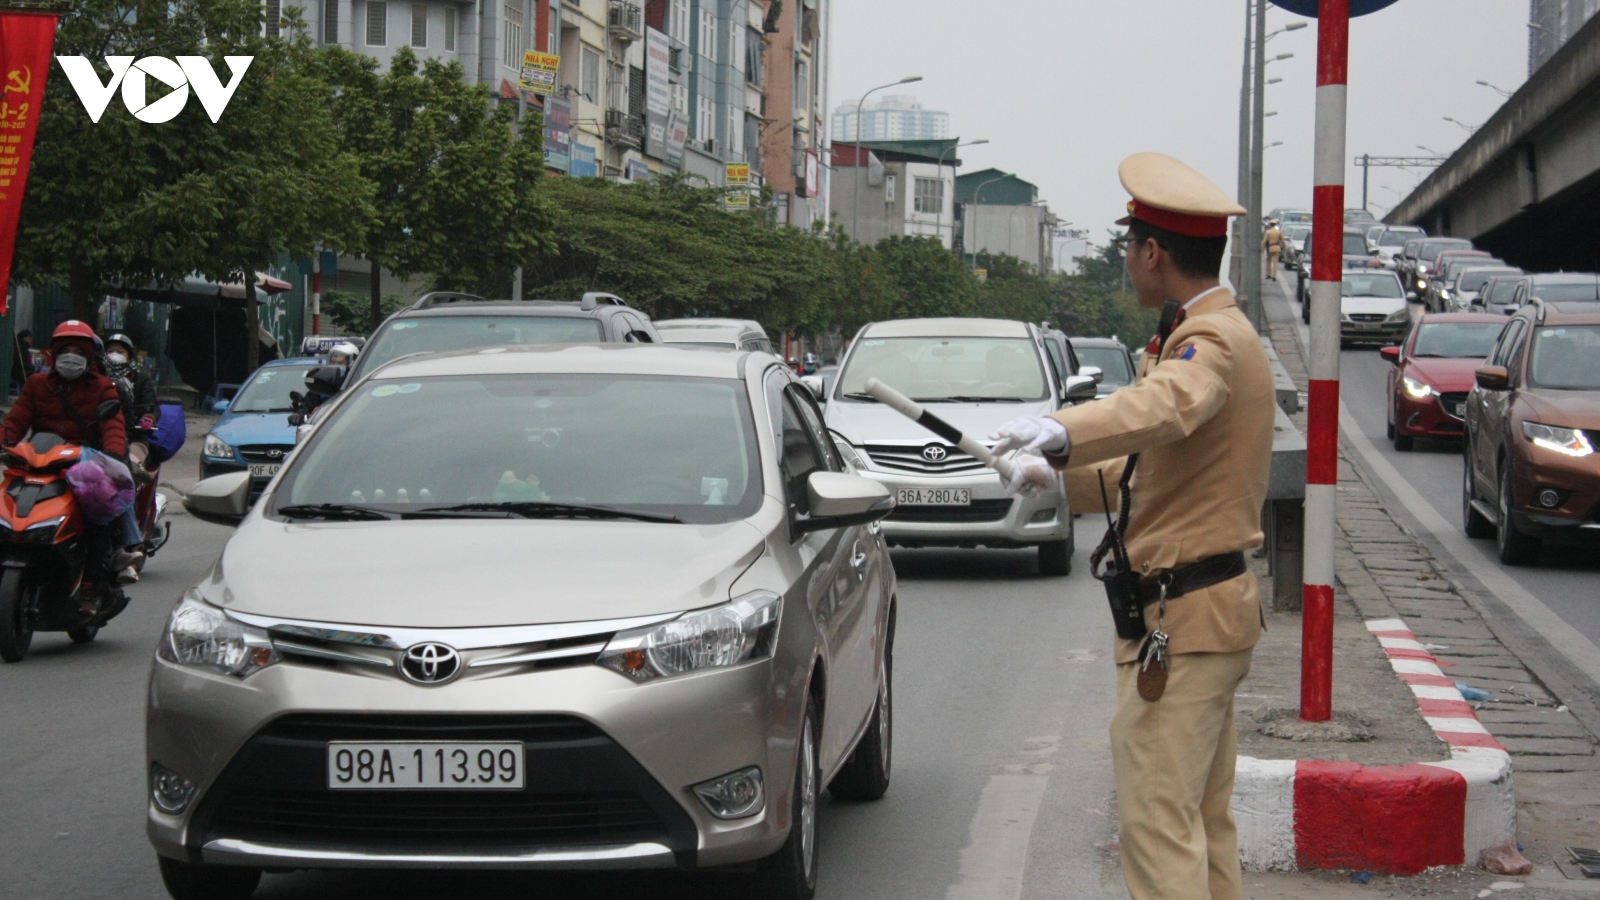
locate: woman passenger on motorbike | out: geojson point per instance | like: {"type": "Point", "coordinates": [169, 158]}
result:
{"type": "Point", "coordinates": [65, 401]}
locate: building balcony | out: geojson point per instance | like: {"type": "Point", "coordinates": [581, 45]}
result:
{"type": "Point", "coordinates": [625, 21]}
{"type": "Point", "coordinates": [623, 129]}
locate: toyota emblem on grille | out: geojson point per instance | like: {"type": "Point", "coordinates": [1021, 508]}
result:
{"type": "Point", "coordinates": [934, 453]}
{"type": "Point", "coordinates": [430, 663]}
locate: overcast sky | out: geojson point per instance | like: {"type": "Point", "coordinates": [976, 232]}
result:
{"type": "Point", "coordinates": [1064, 89]}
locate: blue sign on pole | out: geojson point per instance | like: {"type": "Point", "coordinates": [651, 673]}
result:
{"type": "Point", "coordinates": [1309, 7]}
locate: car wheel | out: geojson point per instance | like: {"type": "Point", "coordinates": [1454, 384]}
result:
{"type": "Point", "coordinates": [866, 775]}
{"type": "Point", "coordinates": [188, 881]}
{"type": "Point", "coordinates": [791, 873]}
{"type": "Point", "coordinates": [1474, 523]}
{"type": "Point", "coordinates": [1402, 442]}
{"type": "Point", "coordinates": [1055, 558]}
{"type": "Point", "coordinates": [1516, 548]}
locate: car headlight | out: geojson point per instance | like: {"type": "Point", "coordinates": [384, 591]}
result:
{"type": "Point", "coordinates": [727, 635]}
{"type": "Point", "coordinates": [1400, 315]}
{"type": "Point", "coordinates": [201, 636]}
{"type": "Point", "coordinates": [851, 454]}
{"type": "Point", "coordinates": [215, 446]}
{"type": "Point", "coordinates": [1569, 441]}
{"type": "Point", "coordinates": [1418, 389]}
{"type": "Point", "coordinates": [1444, 293]}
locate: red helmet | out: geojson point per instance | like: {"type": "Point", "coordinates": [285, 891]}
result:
{"type": "Point", "coordinates": [72, 328]}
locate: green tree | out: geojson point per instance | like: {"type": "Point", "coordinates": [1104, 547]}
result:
{"type": "Point", "coordinates": [456, 179]}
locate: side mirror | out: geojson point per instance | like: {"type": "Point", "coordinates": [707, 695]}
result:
{"type": "Point", "coordinates": [838, 500]}
{"type": "Point", "coordinates": [814, 384]}
{"type": "Point", "coordinates": [1095, 372]}
{"type": "Point", "coordinates": [220, 499]}
{"type": "Point", "coordinates": [1392, 354]}
{"type": "Point", "coordinates": [1080, 387]}
{"type": "Point", "coordinates": [107, 409]}
{"type": "Point", "coordinates": [1493, 378]}
{"type": "Point", "coordinates": [1512, 310]}
{"type": "Point", "coordinates": [1411, 296]}
{"type": "Point", "coordinates": [326, 380]}
{"type": "Point", "coordinates": [221, 406]}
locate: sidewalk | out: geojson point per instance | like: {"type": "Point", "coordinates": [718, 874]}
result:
{"type": "Point", "coordinates": [1383, 573]}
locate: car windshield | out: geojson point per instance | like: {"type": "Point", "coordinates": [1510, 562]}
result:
{"type": "Point", "coordinates": [1566, 358]}
{"type": "Point", "coordinates": [1355, 245]}
{"type": "Point", "coordinates": [1472, 280]}
{"type": "Point", "coordinates": [1501, 292]}
{"type": "Point", "coordinates": [268, 391]}
{"type": "Point", "coordinates": [1457, 340]}
{"type": "Point", "coordinates": [668, 446]}
{"type": "Point", "coordinates": [1299, 233]}
{"type": "Point", "coordinates": [946, 368]}
{"type": "Point", "coordinates": [1375, 284]}
{"type": "Point", "coordinates": [1561, 293]}
{"type": "Point", "coordinates": [1113, 361]}
{"type": "Point", "coordinates": [721, 345]}
{"type": "Point", "coordinates": [1429, 251]}
{"type": "Point", "coordinates": [1393, 238]}
{"type": "Point", "coordinates": [432, 334]}
{"type": "Point", "coordinates": [1302, 217]}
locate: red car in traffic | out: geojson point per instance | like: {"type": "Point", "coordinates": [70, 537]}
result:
{"type": "Point", "coordinates": [1432, 372]}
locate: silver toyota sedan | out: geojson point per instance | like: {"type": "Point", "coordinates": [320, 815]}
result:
{"type": "Point", "coordinates": [561, 607]}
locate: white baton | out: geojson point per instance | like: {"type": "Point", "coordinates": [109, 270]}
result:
{"type": "Point", "coordinates": [914, 411]}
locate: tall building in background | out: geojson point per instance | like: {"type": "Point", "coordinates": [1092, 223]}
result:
{"type": "Point", "coordinates": [895, 117]}
{"type": "Point", "coordinates": [793, 133]}
{"type": "Point", "coordinates": [1551, 23]}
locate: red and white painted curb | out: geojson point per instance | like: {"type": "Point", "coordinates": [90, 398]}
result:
{"type": "Point", "coordinates": [1401, 819]}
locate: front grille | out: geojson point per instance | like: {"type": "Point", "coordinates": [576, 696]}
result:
{"type": "Point", "coordinates": [1452, 401]}
{"type": "Point", "coordinates": [1367, 318]}
{"type": "Point", "coordinates": [914, 458]}
{"type": "Point", "coordinates": [581, 789]}
{"type": "Point", "coordinates": [262, 453]}
{"type": "Point", "coordinates": [979, 511]}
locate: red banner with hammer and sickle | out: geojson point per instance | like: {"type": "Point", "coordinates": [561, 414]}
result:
{"type": "Point", "coordinates": [26, 39]}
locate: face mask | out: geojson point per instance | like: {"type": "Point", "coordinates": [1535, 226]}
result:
{"type": "Point", "coordinates": [116, 359]}
{"type": "Point", "coordinates": [71, 366]}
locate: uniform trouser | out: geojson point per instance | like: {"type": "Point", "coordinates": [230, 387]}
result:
{"type": "Point", "coordinates": [1272, 263]}
{"type": "Point", "coordinates": [1174, 761]}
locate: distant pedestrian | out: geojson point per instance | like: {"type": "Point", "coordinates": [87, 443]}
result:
{"type": "Point", "coordinates": [1272, 242]}
{"type": "Point", "coordinates": [1197, 431]}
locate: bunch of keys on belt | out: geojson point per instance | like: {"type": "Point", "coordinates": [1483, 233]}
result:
{"type": "Point", "coordinates": [1153, 655]}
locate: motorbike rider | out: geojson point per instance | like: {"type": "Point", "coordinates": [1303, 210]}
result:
{"type": "Point", "coordinates": [343, 355]}
{"type": "Point", "coordinates": [139, 411]}
{"type": "Point", "coordinates": [65, 401]}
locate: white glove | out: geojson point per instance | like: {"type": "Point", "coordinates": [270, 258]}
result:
{"type": "Point", "coordinates": [1031, 434]}
{"type": "Point", "coordinates": [1030, 476]}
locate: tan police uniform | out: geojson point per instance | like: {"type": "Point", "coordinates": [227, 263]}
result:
{"type": "Point", "coordinates": [1201, 420]}
{"type": "Point", "coordinates": [1272, 241]}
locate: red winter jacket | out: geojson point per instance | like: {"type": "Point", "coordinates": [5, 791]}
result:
{"type": "Point", "coordinates": [40, 410]}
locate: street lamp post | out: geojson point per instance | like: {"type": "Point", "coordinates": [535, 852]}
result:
{"type": "Point", "coordinates": [1499, 90]}
{"type": "Point", "coordinates": [938, 222]}
{"type": "Point", "coordinates": [1469, 129]}
{"type": "Point", "coordinates": [855, 212]}
{"type": "Point", "coordinates": [1251, 235]}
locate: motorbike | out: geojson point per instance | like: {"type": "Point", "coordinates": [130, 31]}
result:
{"type": "Point", "coordinates": [55, 570]}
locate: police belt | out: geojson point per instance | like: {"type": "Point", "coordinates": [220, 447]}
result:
{"type": "Point", "coordinates": [1193, 577]}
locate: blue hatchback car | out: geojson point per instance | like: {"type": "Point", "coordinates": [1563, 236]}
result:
{"type": "Point", "coordinates": [254, 432]}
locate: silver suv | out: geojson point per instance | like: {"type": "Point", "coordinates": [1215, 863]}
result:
{"type": "Point", "coordinates": [976, 374]}
{"type": "Point", "coordinates": [578, 607]}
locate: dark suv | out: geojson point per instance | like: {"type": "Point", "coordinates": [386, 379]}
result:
{"type": "Point", "coordinates": [1532, 426]}
{"type": "Point", "coordinates": [449, 321]}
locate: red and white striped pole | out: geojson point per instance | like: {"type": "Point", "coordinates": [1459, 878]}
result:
{"type": "Point", "coordinates": [1322, 438]}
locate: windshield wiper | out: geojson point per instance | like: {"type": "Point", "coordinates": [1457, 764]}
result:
{"type": "Point", "coordinates": [962, 398]}
{"type": "Point", "coordinates": [334, 512]}
{"type": "Point", "coordinates": [860, 395]}
{"type": "Point", "coordinates": [535, 509]}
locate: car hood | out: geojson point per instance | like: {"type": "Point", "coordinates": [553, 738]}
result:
{"type": "Point", "coordinates": [464, 573]}
{"type": "Point", "coordinates": [873, 423]}
{"type": "Point", "coordinates": [1384, 305]}
{"type": "Point", "coordinates": [254, 428]}
{"type": "Point", "coordinates": [1447, 375]}
{"type": "Point", "coordinates": [1572, 409]}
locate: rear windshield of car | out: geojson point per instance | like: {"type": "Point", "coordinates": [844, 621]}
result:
{"type": "Point", "coordinates": [432, 334]}
{"type": "Point", "coordinates": [1111, 360]}
{"type": "Point", "coordinates": [1566, 358]}
{"type": "Point", "coordinates": [1559, 293]}
{"type": "Point", "coordinates": [1299, 233]}
{"type": "Point", "coordinates": [1457, 340]}
{"type": "Point", "coordinates": [268, 391]}
{"type": "Point", "coordinates": [1392, 238]}
{"type": "Point", "coordinates": [1501, 292]}
{"type": "Point", "coordinates": [930, 369]}
{"type": "Point", "coordinates": [1376, 284]}
{"type": "Point", "coordinates": [1427, 252]}
{"type": "Point", "coordinates": [1297, 217]}
{"type": "Point", "coordinates": [670, 446]}
{"type": "Point", "coordinates": [1355, 245]}
{"type": "Point", "coordinates": [1474, 281]}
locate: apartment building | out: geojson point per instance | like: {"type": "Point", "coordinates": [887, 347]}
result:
{"type": "Point", "coordinates": [892, 188]}
{"type": "Point", "coordinates": [894, 117]}
{"type": "Point", "coordinates": [1001, 213]}
{"type": "Point", "coordinates": [794, 138]}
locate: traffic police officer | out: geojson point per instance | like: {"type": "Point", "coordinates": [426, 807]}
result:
{"type": "Point", "coordinates": [1272, 242]}
{"type": "Point", "coordinates": [1201, 419]}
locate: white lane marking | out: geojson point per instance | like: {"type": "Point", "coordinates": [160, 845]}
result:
{"type": "Point", "coordinates": [996, 854]}
{"type": "Point", "coordinates": [1390, 643]}
{"type": "Point", "coordinates": [1415, 667]}
{"type": "Point", "coordinates": [1567, 641]}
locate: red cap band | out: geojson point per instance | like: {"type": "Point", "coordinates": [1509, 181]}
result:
{"type": "Point", "coordinates": [1179, 223]}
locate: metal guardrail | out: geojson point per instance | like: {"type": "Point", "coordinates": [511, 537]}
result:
{"type": "Point", "coordinates": [1283, 514]}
